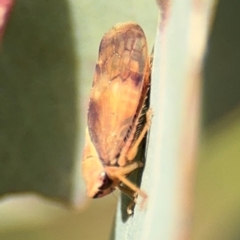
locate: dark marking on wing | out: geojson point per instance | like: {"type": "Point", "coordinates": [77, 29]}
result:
{"type": "Point", "coordinates": [93, 121]}
{"type": "Point", "coordinates": [136, 77]}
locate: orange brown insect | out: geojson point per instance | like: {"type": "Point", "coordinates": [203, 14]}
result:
{"type": "Point", "coordinates": [117, 98]}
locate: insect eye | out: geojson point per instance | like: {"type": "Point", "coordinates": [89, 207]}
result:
{"type": "Point", "coordinates": [106, 181]}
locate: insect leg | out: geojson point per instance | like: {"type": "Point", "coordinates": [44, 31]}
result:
{"type": "Point", "coordinates": [132, 186]}
{"type": "Point", "coordinates": [134, 148]}
{"type": "Point", "coordinates": [120, 174]}
{"type": "Point", "coordinates": [132, 195]}
{"type": "Point", "coordinates": [127, 191]}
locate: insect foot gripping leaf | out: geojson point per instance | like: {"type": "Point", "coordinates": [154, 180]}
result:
{"type": "Point", "coordinates": [116, 108]}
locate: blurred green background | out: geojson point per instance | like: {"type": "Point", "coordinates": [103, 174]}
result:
{"type": "Point", "coordinates": [60, 39]}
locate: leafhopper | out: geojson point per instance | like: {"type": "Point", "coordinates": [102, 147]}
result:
{"type": "Point", "coordinates": [114, 122]}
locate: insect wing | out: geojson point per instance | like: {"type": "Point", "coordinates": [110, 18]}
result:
{"type": "Point", "coordinates": [117, 88]}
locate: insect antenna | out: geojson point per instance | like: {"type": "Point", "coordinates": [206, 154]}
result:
{"type": "Point", "coordinates": [114, 196]}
